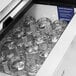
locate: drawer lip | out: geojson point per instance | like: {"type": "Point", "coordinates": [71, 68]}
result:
{"type": "Point", "coordinates": [4, 31]}
{"type": "Point", "coordinates": [11, 7]}
{"type": "Point", "coordinates": [4, 4]}
{"type": "Point", "coordinates": [8, 9]}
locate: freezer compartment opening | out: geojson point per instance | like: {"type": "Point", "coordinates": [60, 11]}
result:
{"type": "Point", "coordinates": [25, 48]}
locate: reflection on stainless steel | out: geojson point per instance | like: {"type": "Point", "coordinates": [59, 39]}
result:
{"type": "Point", "coordinates": [27, 46]}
